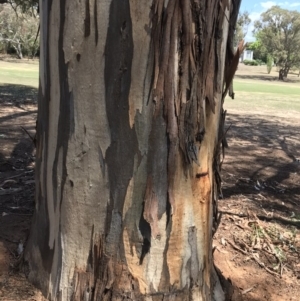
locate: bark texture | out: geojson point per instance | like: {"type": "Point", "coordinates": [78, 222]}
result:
{"type": "Point", "coordinates": [130, 134]}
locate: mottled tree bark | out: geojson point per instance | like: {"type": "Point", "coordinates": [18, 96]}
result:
{"type": "Point", "coordinates": [130, 131]}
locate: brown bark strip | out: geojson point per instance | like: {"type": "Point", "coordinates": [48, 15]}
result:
{"type": "Point", "coordinates": [185, 109]}
{"type": "Point", "coordinates": [105, 278]}
{"type": "Point", "coordinates": [210, 82]}
{"type": "Point", "coordinates": [170, 101]}
{"type": "Point", "coordinates": [230, 47]}
{"type": "Point", "coordinates": [157, 8]}
{"type": "Point", "coordinates": [164, 57]}
{"type": "Point", "coordinates": [231, 64]}
{"type": "Point", "coordinates": [151, 209]}
{"type": "Point", "coordinates": [233, 67]}
{"type": "Point", "coordinates": [186, 44]}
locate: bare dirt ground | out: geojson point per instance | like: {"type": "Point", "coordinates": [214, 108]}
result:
{"type": "Point", "coordinates": [258, 240]}
{"type": "Point", "coordinates": [257, 244]}
{"type": "Point", "coordinates": [17, 114]}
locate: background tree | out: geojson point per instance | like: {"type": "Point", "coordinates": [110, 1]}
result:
{"type": "Point", "coordinates": [270, 63]}
{"type": "Point", "coordinates": [19, 30]}
{"type": "Point", "coordinates": [259, 50]}
{"type": "Point", "coordinates": [130, 126]}
{"type": "Point", "coordinates": [279, 31]}
{"type": "Point", "coordinates": [24, 5]}
{"type": "Point", "coordinates": [242, 26]}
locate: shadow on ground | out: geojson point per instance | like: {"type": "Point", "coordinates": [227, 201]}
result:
{"type": "Point", "coordinates": [263, 158]}
{"type": "Point", "coordinates": [17, 187]}
{"type": "Point", "coordinates": [17, 193]}
{"type": "Point", "coordinates": [17, 95]}
{"type": "Point", "coordinates": [17, 129]}
{"type": "Point", "coordinates": [258, 240]}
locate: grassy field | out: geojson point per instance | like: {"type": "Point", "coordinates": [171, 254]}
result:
{"type": "Point", "coordinates": [264, 97]}
{"type": "Point", "coordinates": [259, 92]}
{"type": "Point", "coordinates": [257, 86]}
{"type": "Point", "coordinates": [264, 103]}
{"type": "Point", "coordinates": [21, 73]}
{"type": "Point", "coordinates": [255, 90]}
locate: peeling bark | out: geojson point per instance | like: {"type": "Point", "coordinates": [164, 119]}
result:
{"type": "Point", "coordinates": [130, 139]}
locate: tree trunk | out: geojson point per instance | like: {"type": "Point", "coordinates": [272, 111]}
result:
{"type": "Point", "coordinates": [17, 46]}
{"type": "Point", "coordinates": [283, 73]}
{"type": "Point", "coordinates": [129, 135]}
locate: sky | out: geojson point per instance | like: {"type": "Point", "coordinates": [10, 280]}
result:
{"type": "Point", "coordinates": [255, 8]}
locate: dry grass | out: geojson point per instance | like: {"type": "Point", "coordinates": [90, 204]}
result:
{"type": "Point", "coordinates": [20, 72]}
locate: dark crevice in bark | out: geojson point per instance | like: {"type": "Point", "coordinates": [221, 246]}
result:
{"type": "Point", "coordinates": [102, 161]}
{"type": "Point", "coordinates": [168, 212]}
{"type": "Point", "coordinates": [90, 260]}
{"type": "Point", "coordinates": [87, 20]}
{"type": "Point", "coordinates": [119, 156]}
{"type": "Point", "coordinates": [145, 229]}
{"type": "Point", "coordinates": [96, 22]}
{"type": "Point", "coordinates": [157, 166]}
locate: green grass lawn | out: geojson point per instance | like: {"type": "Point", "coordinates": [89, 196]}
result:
{"type": "Point", "coordinates": [262, 86]}
{"type": "Point", "coordinates": [250, 95]}
{"type": "Point", "coordinates": [263, 96]}
{"type": "Point", "coordinates": [19, 73]}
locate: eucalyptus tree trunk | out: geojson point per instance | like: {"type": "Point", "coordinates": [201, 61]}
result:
{"type": "Point", "coordinates": [129, 135]}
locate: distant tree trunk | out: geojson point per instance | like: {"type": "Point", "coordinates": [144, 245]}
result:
{"type": "Point", "coordinates": [129, 135]}
{"type": "Point", "coordinates": [18, 47]}
{"type": "Point", "coordinates": [15, 44]}
{"type": "Point", "coordinates": [283, 72]}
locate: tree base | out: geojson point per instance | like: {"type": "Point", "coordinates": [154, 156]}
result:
{"type": "Point", "coordinates": [232, 292]}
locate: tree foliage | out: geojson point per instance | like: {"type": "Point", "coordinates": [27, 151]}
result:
{"type": "Point", "coordinates": [269, 63]}
{"type": "Point", "coordinates": [259, 50]}
{"type": "Point", "coordinates": [19, 30]}
{"type": "Point", "coordinates": [242, 26]}
{"type": "Point", "coordinates": [25, 6]}
{"type": "Point", "coordinates": [278, 31]}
